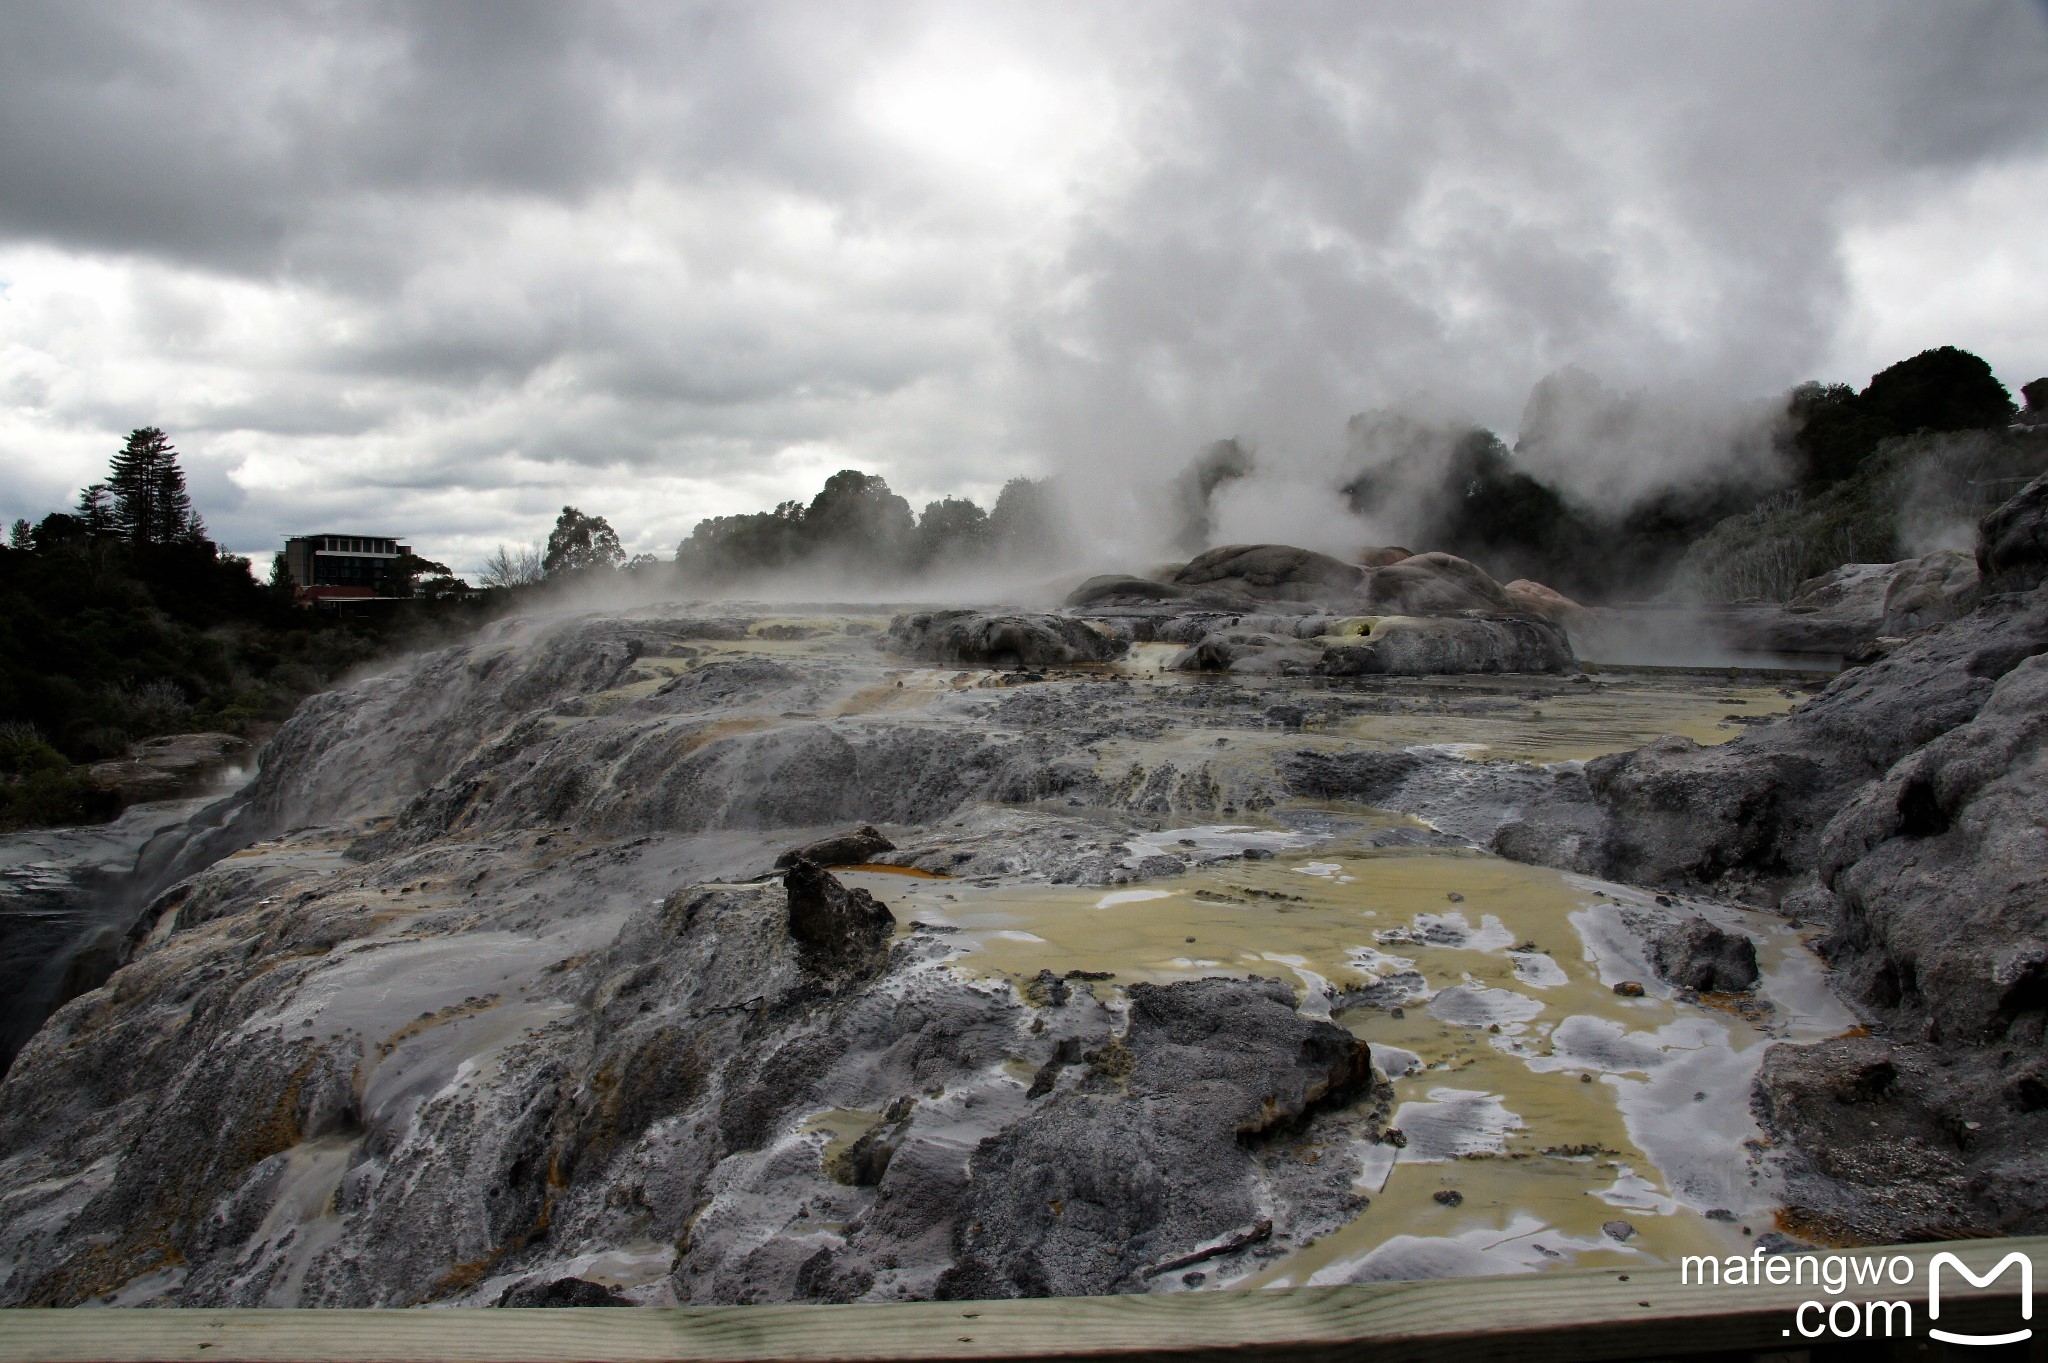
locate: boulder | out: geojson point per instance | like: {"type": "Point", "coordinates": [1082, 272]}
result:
{"type": "Point", "coordinates": [2012, 542]}
{"type": "Point", "coordinates": [975, 638]}
{"type": "Point", "coordinates": [1370, 557]}
{"type": "Point", "coordinates": [1278, 572]}
{"type": "Point", "coordinates": [1146, 1162]}
{"type": "Point", "coordinates": [1122, 588]}
{"type": "Point", "coordinates": [838, 930]}
{"type": "Point", "coordinates": [841, 849]}
{"type": "Point", "coordinates": [1431, 584]}
{"type": "Point", "coordinates": [1867, 600]}
{"type": "Point", "coordinates": [1931, 590]}
{"type": "Point", "coordinates": [1534, 598]}
{"type": "Point", "coordinates": [1695, 954]}
{"type": "Point", "coordinates": [1414, 647]}
{"type": "Point", "coordinates": [562, 1292]}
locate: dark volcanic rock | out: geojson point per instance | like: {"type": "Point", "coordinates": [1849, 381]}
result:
{"type": "Point", "coordinates": [1150, 1157]}
{"type": "Point", "coordinates": [1417, 646]}
{"type": "Point", "coordinates": [562, 1292]}
{"type": "Point", "coordinates": [1277, 572]}
{"type": "Point", "coordinates": [1695, 954]}
{"type": "Point", "coordinates": [841, 849]}
{"type": "Point", "coordinates": [2012, 542]}
{"type": "Point", "coordinates": [1750, 812]}
{"type": "Point", "coordinates": [1939, 876]}
{"type": "Point", "coordinates": [979, 639]}
{"type": "Point", "coordinates": [839, 929]}
{"type": "Point", "coordinates": [1873, 1160]}
{"type": "Point", "coordinates": [1241, 650]}
{"type": "Point", "coordinates": [1120, 587]}
{"type": "Point", "coordinates": [1432, 584]}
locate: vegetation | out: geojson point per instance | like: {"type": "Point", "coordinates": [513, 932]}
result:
{"type": "Point", "coordinates": [857, 526]}
{"type": "Point", "coordinates": [120, 621]}
{"type": "Point", "coordinates": [580, 543]}
{"type": "Point", "coordinates": [1875, 475]}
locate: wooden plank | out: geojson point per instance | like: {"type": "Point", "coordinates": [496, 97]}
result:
{"type": "Point", "coordinates": [1577, 1314]}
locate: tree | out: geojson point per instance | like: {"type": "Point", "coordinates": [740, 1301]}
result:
{"type": "Point", "coordinates": [511, 568]}
{"type": "Point", "coordinates": [402, 574]}
{"type": "Point", "coordinates": [21, 535]}
{"type": "Point", "coordinates": [858, 518]}
{"type": "Point", "coordinates": [1026, 522]}
{"type": "Point", "coordinates": [150, 505]}
{"type": "Point", "coordinates": [580, 542]}
{"type": "Point", "coordinates": [96, 511]}
{"type": "Point", "coordinates": [952, 529]}
{"type": "Point", "coordinates": [1938, 390]}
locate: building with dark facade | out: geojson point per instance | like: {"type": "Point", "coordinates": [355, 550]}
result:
{"type": "Point", "coordinates": [332, 567]}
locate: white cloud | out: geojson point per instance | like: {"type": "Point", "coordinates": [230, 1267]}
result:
{"type": "Point", "coordinates": [446, 270]}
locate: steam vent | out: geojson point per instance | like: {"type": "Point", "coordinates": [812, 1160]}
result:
{"type": "Point", "coordinates": [1273, 919]}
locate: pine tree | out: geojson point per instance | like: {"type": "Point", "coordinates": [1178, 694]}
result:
{"type": "Point", "coordinates": [95, 512]}
{"type": "Point", "coordinates": [148, 489]}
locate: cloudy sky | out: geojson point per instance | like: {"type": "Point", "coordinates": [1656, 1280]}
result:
{"type": "Point", "coordinates": [437, 269]}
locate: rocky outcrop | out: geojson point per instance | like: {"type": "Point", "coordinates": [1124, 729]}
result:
{"type": "Point", "coordinates": [1431, 584]}
{"type": "Point", "coordinates": [1900, 808]}
{"type": "Point", "coordinates": [1148, 1152]}
{"type": "Point", "coordinates": [1876, 599]}
{"type": "Point", "coordinates": [1747, 816]}
{"type": "Point", "coordinates": [863, 844]}
{"type": "Point", "coordinates": [1939, 875]}
{"type": "Point", "coordinates": [1414, 647]}
{"type": "Point", "coordinates": [838, 930]}
{"type": "Point", "coordinates": [171, 766]}
{"type": "Point", "coordinates": [1250, 651]}
{"type": "Point", "coordinates": [1534, 598]}
{"type": "Point", "coordinates": [1123, 589]}
{"type": "Point", "coordinates": [978, 639]}
{"type": "Point", "coordinates": [2012, 543]}
{"type": "Point", "coordinates": [1696, 954]}
{"type": "Point", "coordinates": [1276, 572]}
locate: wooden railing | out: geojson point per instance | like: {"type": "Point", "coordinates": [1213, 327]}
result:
{"type": "Point", "coordinates": [1637, 1313]}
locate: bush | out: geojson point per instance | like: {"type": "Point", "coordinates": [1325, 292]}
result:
{"type": "Point", "coordinates": [64, 795]}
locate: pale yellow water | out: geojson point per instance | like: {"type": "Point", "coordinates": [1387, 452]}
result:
{"type": "Point", "coordinates": [1532, 951]}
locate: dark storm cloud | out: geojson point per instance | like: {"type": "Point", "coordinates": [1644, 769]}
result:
{"type": "Point", "coordinates": [672, 254]}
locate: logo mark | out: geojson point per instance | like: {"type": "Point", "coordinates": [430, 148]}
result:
{"type": "Point", "coordinates": [2026, 1296]}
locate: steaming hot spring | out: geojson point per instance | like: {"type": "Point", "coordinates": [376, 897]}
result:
{"type": "Point", "coordinates": [1277, 920]}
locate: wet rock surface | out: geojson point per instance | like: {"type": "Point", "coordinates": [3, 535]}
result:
{"type": "Point", "coordinates": [1697, 954]}
{"type": "Point", "coordinates": [998, 640]}
{"type": "Point", "coordinates": [2012, 545]}
{"type": "Point", "coordinates": [490, 983]}
{"type": "Point", "coordinates": [841, 849]}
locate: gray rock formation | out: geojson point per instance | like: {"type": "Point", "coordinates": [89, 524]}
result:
{"type": "Point", "coordinates": [836, 930]}
{"type": "Point", "coordinates": [1695, 954]}
{"type": "Point", "coordinates": [2012, 544]}
{"type": "Point", "coordinates": [978, 639]}
{"type": "Point", "coordinates": [1148, 1152]}
{"type": "Point", "coordinates": [1274, 572]}
{"type": "Point", "coordinates": [1250, 651]}
{"type": "Point", "coordinates": [1431, 584]}
{"type": "Point", "coordinates": [1414, 647]}
{"type": "Point", "coordinates": [1123, 589]}
{"type": "Point", "coordinates": [1876, 599]}
{"type": "Point", "coordinates": [841, 849]}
